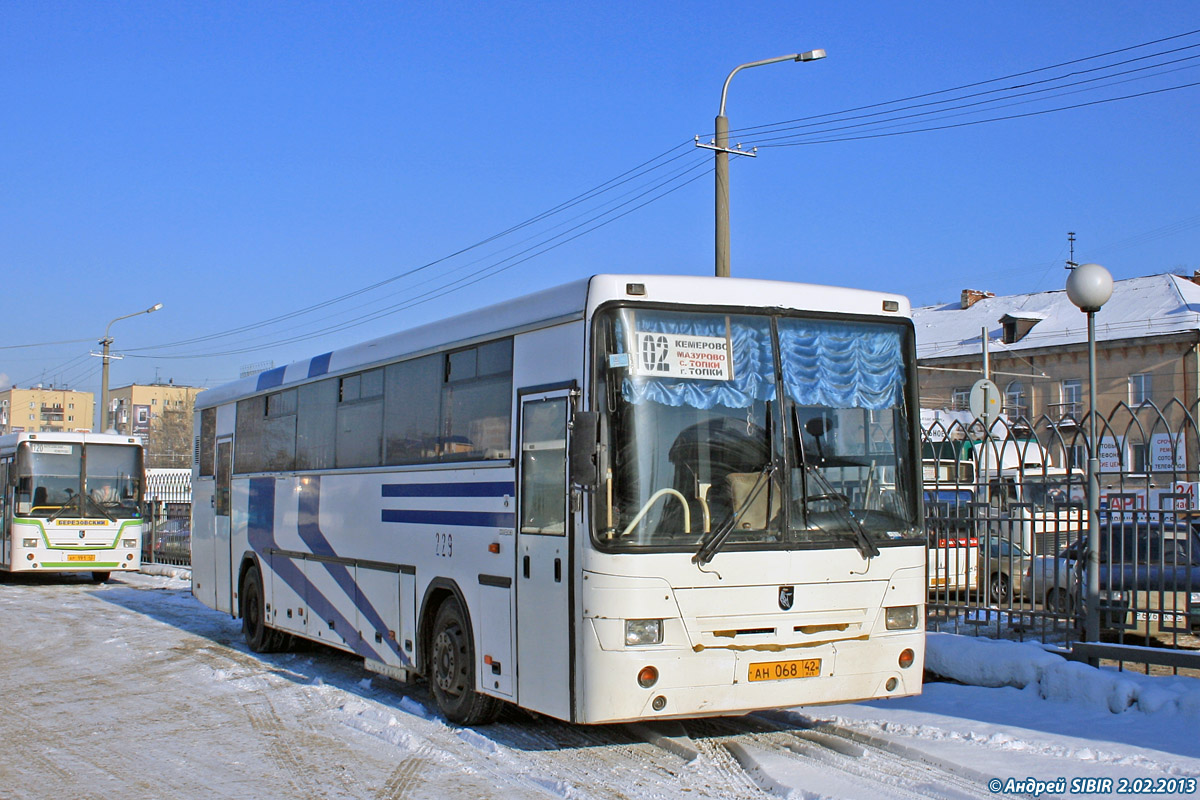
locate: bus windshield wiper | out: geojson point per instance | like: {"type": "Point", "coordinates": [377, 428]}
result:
{"type": "Point", "coordinates": [720, 534]}
{"type": "Point", "coordinates": [78, 503]}
{"type": "Point", "coordinates": [861, 540]}
{"type": "Point", "coordinates": [72, 503]}
{"type": "Point", "coordinates": [842, 505]}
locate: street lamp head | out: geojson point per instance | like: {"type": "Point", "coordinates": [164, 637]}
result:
{"type": "Point", "coordinates": [811, 55]}
{"type": "Point", "coordinates": [154, 307]}
{"type": "Point", "coordinates": [1089, 286]}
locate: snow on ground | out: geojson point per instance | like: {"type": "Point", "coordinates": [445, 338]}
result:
{"type": "Point", "coordinates": [133, 689]}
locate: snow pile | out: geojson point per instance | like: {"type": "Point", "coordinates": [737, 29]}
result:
{"type": "Point", "coordinates": [993, 663]}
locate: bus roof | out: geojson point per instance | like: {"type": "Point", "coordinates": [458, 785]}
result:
{"type": "Point", "coordinates": [571, 301]}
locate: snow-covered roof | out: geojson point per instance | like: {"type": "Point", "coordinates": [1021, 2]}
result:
{"type": "Point", "coordinates": [1155, 305]}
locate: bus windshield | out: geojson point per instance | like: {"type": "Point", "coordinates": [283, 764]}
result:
{"type": "Point", "coordinates": [770, 432]}
{"type": "Point", "coordinates": [52, 480]}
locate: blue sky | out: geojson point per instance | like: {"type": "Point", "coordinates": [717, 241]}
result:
{"type": "Point", "coordinates": [241, 161]}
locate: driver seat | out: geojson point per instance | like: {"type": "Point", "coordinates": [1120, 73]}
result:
{"type": "Point", "coordinates": [741, 488]}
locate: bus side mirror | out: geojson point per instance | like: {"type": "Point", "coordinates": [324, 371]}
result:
{"type": "Point", "coordinates": [585, 447]}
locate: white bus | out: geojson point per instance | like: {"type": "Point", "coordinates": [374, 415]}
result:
{"type": "Point", "coordinates": [72, 502]}
{"type": "Point", "coordinates": [628, 497]}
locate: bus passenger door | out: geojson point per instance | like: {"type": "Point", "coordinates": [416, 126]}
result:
{"type": "Point", "coordinates": [544, 642]}
{"type": "Point", "coordinates": [222, 501]}
{"type": "Point", "coordinates": [5, 515]}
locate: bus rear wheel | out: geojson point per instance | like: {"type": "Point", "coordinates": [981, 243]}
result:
{"type": "Point", "coordinates": [260, 637]}
{"type": "Point", "coordinates": [452, 670]}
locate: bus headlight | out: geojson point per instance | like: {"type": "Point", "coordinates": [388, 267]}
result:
{"type": "Point", "coordinates": [900, 618]}
{"type": "Point", "coordinates": [29, 542]}
{"type": "Point", "coordinates": [643, 631]}
{"type": "Point", "coordinates": [129, 542]}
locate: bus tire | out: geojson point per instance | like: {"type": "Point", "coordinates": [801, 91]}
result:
{"type": "Point", "coordinates": [260, 637]}
{"type": "Point", "coordinates": [452, 670]}
{"type": "Point", "coordinates": [100, 577]}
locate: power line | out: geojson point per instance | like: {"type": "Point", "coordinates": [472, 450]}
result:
{"type": "Point", "coordinates": [864, 136]}
{"type": "Point", "coordinates": [974, 84]}
{"type": "Point", "coordinates": [473, 277]}
{"type": "Point", "coordinates": [825, 128]}
{"type": "Point", "coordinates": [546, 240]}
{"type": "Point", "coordinates": [619, 180]}
{"type": "Point", "coordinates": [44, 344]}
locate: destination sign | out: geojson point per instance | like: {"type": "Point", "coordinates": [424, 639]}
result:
{"type": "Point", "coordinates": [676, 355]}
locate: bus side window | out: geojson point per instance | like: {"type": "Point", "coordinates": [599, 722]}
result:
{"type": "Point", "coordinates": [208, 439]}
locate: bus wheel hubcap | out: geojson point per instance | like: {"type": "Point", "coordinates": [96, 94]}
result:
{"type": "Point", "coordinates": [446, 662]}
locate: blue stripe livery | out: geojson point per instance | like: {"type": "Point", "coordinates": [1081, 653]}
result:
{"type": "Point", "coordinates": [271, 378]}
{"type": "Point", "coordinates": [493, 489]}
{"type": "Point", "coordinates": [319, 365]}
{"type": "Point", "coordinates": [260, 532]}
{"type": "Point", "coordinates": [473, 519]}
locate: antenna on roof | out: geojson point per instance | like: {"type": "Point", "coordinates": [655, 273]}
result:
{"type": "Point", "coordinates": [1071, 241]}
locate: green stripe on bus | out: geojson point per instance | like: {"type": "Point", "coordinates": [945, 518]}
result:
{"type": "Point", "coordinates": [46, 539]}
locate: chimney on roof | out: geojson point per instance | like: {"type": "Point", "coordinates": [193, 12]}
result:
{"type": "Point", "coordinates": [1196, 276]}
{"type": "Point", "coordinates": [972, 296]}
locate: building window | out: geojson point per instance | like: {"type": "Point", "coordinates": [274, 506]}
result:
{"type": "Point", "coordinates": [1016, 403]}
{"type": "Point", "coordinates": [70, 405]}
{"type": "Point", "coordinates": [1139, 389]}
{"type": "Point", "coordinates": [1009, 335]}
{"type": "Point", "coordinates": [1076, 456]}
{"type": "Point", "coordinates": [1138, 457]}
{"type": "Point", "coordinates": [1071, 399]}
{"type": "Point", "coordinates": [960, 398]}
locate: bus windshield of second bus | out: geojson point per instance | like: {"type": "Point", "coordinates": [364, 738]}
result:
{"type": "Point", "coordinates": [708, 414]}
{"type": "Point", "coordinates": [85, 479]}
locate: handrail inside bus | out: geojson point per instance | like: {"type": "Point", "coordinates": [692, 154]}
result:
{"type": "Point", "coordinates": [687, 514]}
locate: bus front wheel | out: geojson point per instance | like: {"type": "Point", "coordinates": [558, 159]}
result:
{"type": "Point", "coordinates": [452, 670]}
{"type": "Point", "coordinates": [100, 577]}
{"type": "Point", "coordinates": [260, 637]}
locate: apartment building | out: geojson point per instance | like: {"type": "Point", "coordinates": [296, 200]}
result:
{"type": "Point", "coordinates": [39, 408]}
{"type": "Point", "coordinates": [161, 413]}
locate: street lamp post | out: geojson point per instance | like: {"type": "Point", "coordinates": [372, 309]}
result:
{"type": "Point", "coordinates": [721, 146]}
{"type": "Point", "coordinates": [1089, 286]}
{"type": "Point", "coordinates": [104, 359]}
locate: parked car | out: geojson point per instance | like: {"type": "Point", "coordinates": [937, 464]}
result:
{"type": "Point", "coordinates": [1149, 577]}
{"type": "Point", "coordinates": [173, 541]}
{"type": "Point", "coordinates": [1002, 568]}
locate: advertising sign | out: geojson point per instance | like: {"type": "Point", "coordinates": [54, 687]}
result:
{"type": "Point", "coordinates": [1167, 453]}
{"type": "Point", "coordinates": [141, 419]}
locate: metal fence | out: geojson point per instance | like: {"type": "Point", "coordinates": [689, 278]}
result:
{"type": "Point", "coordinates": [1006, 513]}
{"type": "Point", "coordinates": [167, 534]}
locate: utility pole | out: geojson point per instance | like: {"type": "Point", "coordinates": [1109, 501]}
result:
{"type": "Point", "coordinates": [721, 146]}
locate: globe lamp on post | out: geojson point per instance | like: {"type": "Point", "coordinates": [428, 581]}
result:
{"type": "Point", "coordinates": [1089, 286]}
